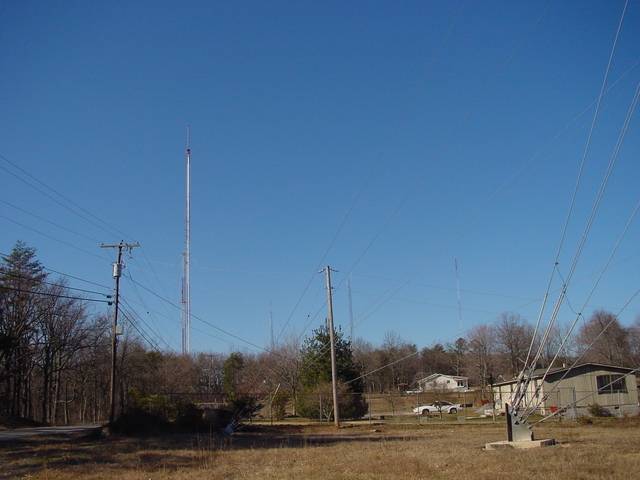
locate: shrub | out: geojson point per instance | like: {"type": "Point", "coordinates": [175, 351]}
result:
{"type": "Point", "coordinates": [596, 410]}
{"type": "Point", "coordinates": [279, 404]}
{"type": "Point", "coordinates": [156, 412]}
{"type": "Point", "coordinates": [584, 420]}
{"type": "Point", "coordinates": [189, 417]}
{"type": "Point", "coordinates": [137, 422]}
{"type": "Point", "coordinates": [245, 406]}
{"type": "Point", "coordinates": [318, 403]}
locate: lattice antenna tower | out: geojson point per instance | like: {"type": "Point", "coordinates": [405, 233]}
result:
{"type": "Point", "coordinates": [186, 262]}
{"type": "Point", "coordinates": [458, 288]}
{"type": "Point", "coordinates": [351, 327]}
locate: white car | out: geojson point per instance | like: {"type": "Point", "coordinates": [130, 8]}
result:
{"type": "Point", "coordinates": [437, 407]}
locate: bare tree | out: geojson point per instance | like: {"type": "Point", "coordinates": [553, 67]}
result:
{"type": "Point", "coordinates": [513, 339]}
{"type": "Point", "coordinates": [397, 362]}
{"type": "Point", "coordinates": [210, 374]}
{"type": "Point", "coordinates": [479, 362]}
{"type": "Point", "coordinates": [634, 343]}
{"type": "Point", "coordinates": [89, 372]}
{"type": "Point", "coordinates": [61, 332]}
{"type": "Point", "coordinates": [457, 352]}
{"type": "Point", "coordinates": [283, 364]}
{"type": "Point", "coordinates": [560, 345]}
{"type": "Point", "coordinates": [603, 340]}
{"type": "Point", "coordinates": [438, 394]}
{"type": "Point", "coordinates": [21, 278]}
{"type": "Point", "coordinates": [364, 354]}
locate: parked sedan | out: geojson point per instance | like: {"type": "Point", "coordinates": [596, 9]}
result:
{"type": "Point", "coordinates": [437, 407]}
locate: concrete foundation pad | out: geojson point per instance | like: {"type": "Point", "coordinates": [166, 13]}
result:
{"type": "Point", "coordinates": [526, 444]}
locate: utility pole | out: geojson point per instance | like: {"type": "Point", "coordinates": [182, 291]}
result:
{"type": "Point", "coordinates": [334, 369]}
{"type": "Point", "coordinates": [117, 272]}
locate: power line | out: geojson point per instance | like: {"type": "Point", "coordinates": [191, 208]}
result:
{"type": "Point", "coordinates": [449, 139]}
{"type": "Point", "coordinates": [525, 376]}
{"type": "Point", "coordinates": [75, 278]}
{"type": "Point", "coordinates": [143, 303]}
{"type": "Point", "coordinates": [49, 221]}
{"type": "Point", "coordinates": [401, 283]}
{"type": "Point", "coordinates": [375, 165]}
{"type": "Point", "coordinates": [131, 315]}
{"type": "Point", "coordinates": [201, 319]}
{"type": "Point", "coordinates": [57, 285]}
{"type": "Point", "coordinates": [430, 164]}
{"type": "Point", "coordinates": [52, 238]}
{"type": "Point", "coordinates": [113, 229]}
{"type": "Point", "coordinates": [46, 294]}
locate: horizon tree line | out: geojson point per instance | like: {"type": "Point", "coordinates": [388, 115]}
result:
{"type": "Point", "coordinates": [55, 357]}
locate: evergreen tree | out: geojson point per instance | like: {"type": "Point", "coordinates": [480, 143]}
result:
{"type": "Point", "coordinates": [237, 397]}
{"type": "Point", "coordinates": [315, 375]}
{"type": "Point", "coordinates": [232, 374]}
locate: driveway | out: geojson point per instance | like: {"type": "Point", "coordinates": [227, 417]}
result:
{"type": "Point", "coordinates": [6, 435]}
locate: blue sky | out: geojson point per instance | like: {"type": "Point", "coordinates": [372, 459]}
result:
{"type": "Point", "coordinates": [385, 139]}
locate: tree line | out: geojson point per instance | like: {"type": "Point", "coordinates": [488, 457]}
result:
{"type": "Point", "coordinates": [55, 359]}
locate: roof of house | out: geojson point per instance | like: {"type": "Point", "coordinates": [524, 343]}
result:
{"type": "Point", "coordinates": [436, 375]}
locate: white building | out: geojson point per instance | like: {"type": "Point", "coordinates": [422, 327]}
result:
{"type": "Point", "coordinates": [440, 382]}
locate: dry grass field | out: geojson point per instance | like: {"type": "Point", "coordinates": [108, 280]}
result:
{"type": "Point", "coordinates": [607, 449]}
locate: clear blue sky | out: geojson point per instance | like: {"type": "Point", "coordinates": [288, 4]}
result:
{"type": "Point", "coordinates": [373, 137]}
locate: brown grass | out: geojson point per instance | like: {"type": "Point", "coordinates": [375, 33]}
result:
{"type": "Point", "coordinates": [604, 450]}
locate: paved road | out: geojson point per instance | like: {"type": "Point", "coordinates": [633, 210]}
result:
{"type": "Point", "coordinates": [6, 435]}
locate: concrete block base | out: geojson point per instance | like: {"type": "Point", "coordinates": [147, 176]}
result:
{"type": "Point", "coordinates": [526, 444]}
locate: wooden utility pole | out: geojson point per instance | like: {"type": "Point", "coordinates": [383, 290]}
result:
{"type": "Point", "coordinates": [117, 272]}
{"type": "Point", "coordinates": [334, 369]}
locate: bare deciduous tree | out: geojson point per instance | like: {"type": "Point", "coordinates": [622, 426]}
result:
{"type": "Point", "coordinates": [457, 352]}
{"type": "Point", "coordinates": [283, 365]}
{"type": "Point", "coordinates": [560, 345]}
{"type": "Point", "coordinates": [396, 362]}
{"type": "Point", "coordinates": [513, 336]}
{"type": "Point", "coordinates": [634, 343]}
{"type": "Point", "coordinates": [61, 332]}
{"type": "Point", "coordinates": [479, 362]}
{"type": "Point", "coordinates": [21, 278]}
{"type": "Point", "coordinates": [603, 340]}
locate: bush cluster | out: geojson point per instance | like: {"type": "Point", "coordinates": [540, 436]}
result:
{"type": "Point", "coordinates": [596, 410]}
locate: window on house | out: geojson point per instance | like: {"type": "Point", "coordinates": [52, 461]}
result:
{"type": "Point", "coordinates": [611, 384]}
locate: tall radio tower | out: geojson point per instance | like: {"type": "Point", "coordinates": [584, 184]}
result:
{"type": "Point", "coordinates": [186, 263]}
